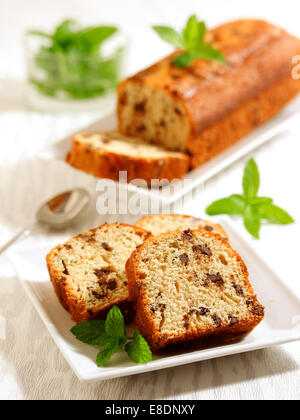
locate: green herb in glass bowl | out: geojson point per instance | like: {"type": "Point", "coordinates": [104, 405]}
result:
{"type": "Point", "coordinates": [70, 63]}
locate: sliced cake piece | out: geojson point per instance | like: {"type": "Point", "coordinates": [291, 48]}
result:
{"type": "Point", "coordinates": [106, 154]}
{"type": "Point", "coordinates": [164, 223]}
{"type": "Point", "coordinates": [190, 285]}
{"type": "Point", "coordinates": [88, 271]}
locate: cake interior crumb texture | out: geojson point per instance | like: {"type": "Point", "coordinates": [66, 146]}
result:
{"type": "Point", "coordinates": [115, 142]}
{"type": "Point", "coordinates": [88, 271]}
{"type": "Point", "coordinates": [190, 285]}
{"type": "Point", "coordinates": [154, 114]}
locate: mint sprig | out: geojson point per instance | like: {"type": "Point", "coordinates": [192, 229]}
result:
{"type": "Point", "coordinates": [70, 61]}
{"type": "Point", "coordinates": [252, 208]}
{"type": "Point", "coordinates": [111, 336]}
{"type": "Point", "coordinates": [192, 40]}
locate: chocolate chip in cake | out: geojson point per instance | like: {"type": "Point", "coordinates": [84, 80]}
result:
{"type": "Point", "coordinates": [239, 290]}
{"type": "Point", "coordinates": [102, 272]}
{"type": "Point", "coordinates": [186, 321]}
{"type": "Point", "coordinates": [106, 246]}
{"type": "Point", "coordinates": [187, 234]}
{"type": "Point", "coordinates": [232, 320]}
{"type": "Point", "coordinates": [203, 311]}
{"type": "Point", "coordinates": [250, 301]}
{"type": "Point", "coordinates": [205, 282]}
{"type": "Point", "coordinates": [68, 247]}
{"type": "Point", "coordinates": [66, 271]}
{"type": "Point", "coordinates": [123, 99]}
{"type": "Point", "coordinates": [88, 238]}
{"type": "Point", "coordinates": [177, 110]}
{"type": "Point", "coordinates": [202, 249]}
{"type": "Point", "coordinates": [140, 106]}
{"type": "Point", "coordinates": [175, 76]}
{"type": "Point", "coordinates": [112, 284]}
{"type": "Point", "coordinates": [208, 228]}
{"type": "Point", "coordinates": [217, 321]}
{"type": "Point", "coordinates": [257, 310]}
{"type": "Point", "coordinates": [140, 128]}
{"type": "Point", "coordinates": [98, 295]}
{"type": "Point", "coordinates": [153, 309]}
{"type": "Point", "coordinates": [184, 258]}
{"type": "Point", "coordinates": [216, 279]}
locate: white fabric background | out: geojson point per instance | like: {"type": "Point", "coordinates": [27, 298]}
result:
{"type": "Point", "coordinates": [31, 366]}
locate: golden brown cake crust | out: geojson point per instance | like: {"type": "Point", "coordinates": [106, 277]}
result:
{"type": "Point", "coordinates": [144, 320]}
{"type": "Point", "coordinates": [103, 163]}
{"type": "Point", "coordinates": [242, 121]}
{"type": "Point", "coordinates": [69, 299]}
{"type": "Point", "coordinates": [223, 103]}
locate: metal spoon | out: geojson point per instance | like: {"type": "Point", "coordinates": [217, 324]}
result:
{"type": "Point", "coordinates": [60, 212]}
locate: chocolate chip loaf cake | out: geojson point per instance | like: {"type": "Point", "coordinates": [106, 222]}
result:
{"type": "Point", "coordinates": [106, 154]}
{"type": "Point", "coordinates": [164, 223]}
{"type": "Point", "coordinates": [88, 271]}
{"type": "Point", "coordinates": [206, 107]}
{"type": "Point", "coordinates": [190, 285]}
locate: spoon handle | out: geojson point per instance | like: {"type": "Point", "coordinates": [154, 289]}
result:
{"type": "Point", "coordinates": [25, 232]}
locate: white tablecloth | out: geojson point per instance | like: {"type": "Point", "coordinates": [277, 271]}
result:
{"type": "Point", "coordinates": [31, 367]}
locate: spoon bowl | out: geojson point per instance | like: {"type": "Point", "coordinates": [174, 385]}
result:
{"type": "Point", "coordinates": [60, 212]}
{"type": "Point", "coordinates": [66, 209]}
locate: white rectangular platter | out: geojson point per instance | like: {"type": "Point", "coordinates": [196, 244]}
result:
{"type": "Point", "coordinates": [278, 327]}
{"type": "Point", "coordinates": [58, 151]}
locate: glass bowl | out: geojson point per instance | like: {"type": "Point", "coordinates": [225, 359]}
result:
{"type": "Point", "coordinates": [72, 80]}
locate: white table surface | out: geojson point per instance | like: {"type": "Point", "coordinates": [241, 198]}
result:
{"type": "Point", "coordinates": [31, 367]}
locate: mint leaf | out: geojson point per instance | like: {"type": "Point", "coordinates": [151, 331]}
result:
{"type": "Point", "coordinates": [253, 209]}
{"type": "Point", "coordinates": [275, 214]}
{"type": "Point", "coordinates": [90, 332]}
{"type": "Point", "coordinates": [231, 205]}
{"type": "Point", "coordinates": [251, 179]}
{"type": "Point", "coordinates": [97, 35]}
{"type": "Point", "coordinates": [184, 60]}
{"type": "Point", "coordinates": [111, 347]}
{"type": "Point", "coordinates": [192, 41]}
{"type": "Point", "coordinates": [169, 35]}
{"type": "Point", "coordinates": [114, 324]}
{"type": "Point", "coordinates": [191, 34]}
{"type": "Point", "coordinates": [252, 221]}
{"type": "Point", "coordinates": [207, 52]}
{"type": "Point", "coordinates": [72, 64]}
{"type": "Point", "coordinates": [258, 201]}
{"type": "Point", "coordinates": [40, 33]}
{"type": "Point", "coordinates": [138, 350]}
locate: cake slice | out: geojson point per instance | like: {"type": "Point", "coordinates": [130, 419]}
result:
{"type": "Point", "coordinates": [164, 223]}
{"type": "Point", "coordinates": [190, 285]}
{"type": "Point", "coordinates": [88, 271]}
{"type": "Point", "coordinates": [104, 155]}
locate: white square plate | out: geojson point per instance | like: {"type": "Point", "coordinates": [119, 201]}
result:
{"type": "Point", "coordinates": [282, 311]}
{"type": "Point", "coordinates": [58, 151]}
